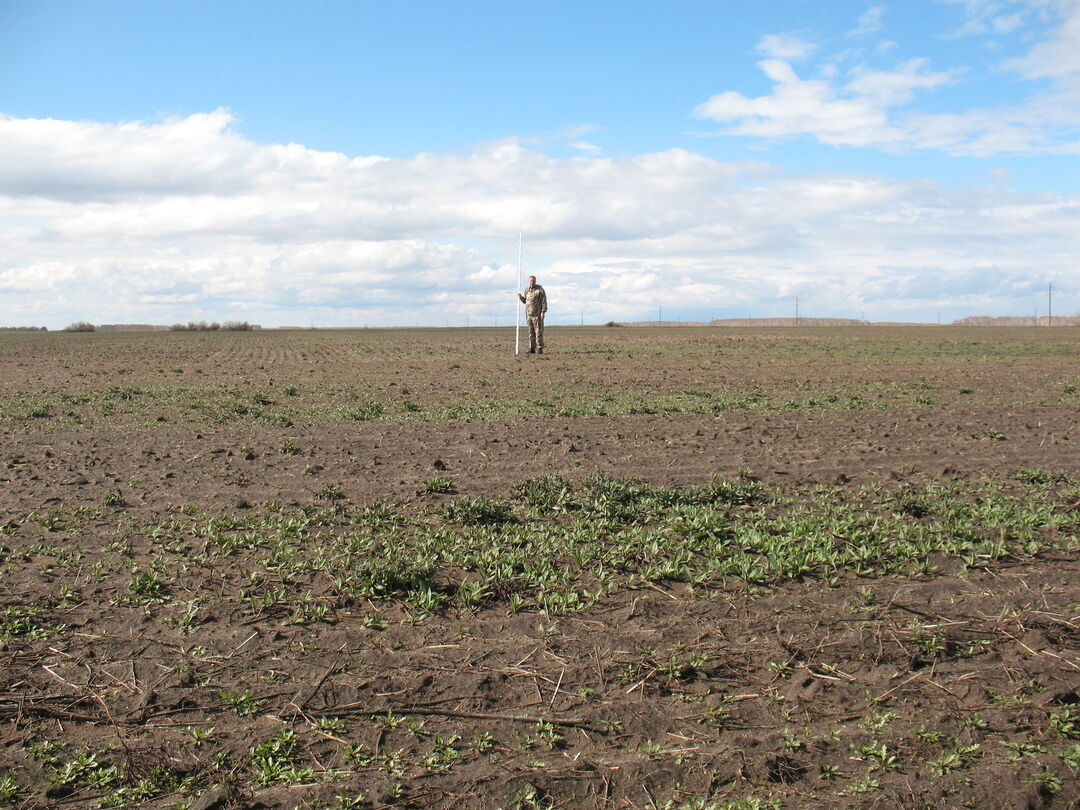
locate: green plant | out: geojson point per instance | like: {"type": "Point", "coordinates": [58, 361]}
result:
{"type": "Point", "coordinates": [37, 409]}
{"type": "Point", "coordinates": [344, 801]}
{"type": "Point", "coordinates": [1021, 749]}
{"type": "Point", "coordinates": [650, 749]}
{"type": "Point", "coordinates": [932, 644]}
{"type": "Point", "coordinates": [1035, 477]}
{"type": "Point", "coordinates": [242, 702]}
{"type": "Point", "coordinates": [440, 486]}
{"type": "Point", "coordinates": [1066, 723]}
{"type": "Point", "coordinates": [10, 790]}
{"type": "Point", "coordinates": [552, 493]}
{"type": "Point", "coordinates": [790, 740]}
{"type": "Point", "coordinates": [781, 669]}
{"type": "Point", "coordinates": [330, 492]}
{"type": "Point", "coordinates": [201, 734]}
{"type": "Point", "coordinates": [445, 754]}
{"type": "Point", "coordinates": [876, 722]}
{"type": "Point", "coordinates": [829, 772]}
{"type": "Point", "coordinates": [86, 771]}
{"type": "Point", "coordinates": [479, 511]}
{"type": "Point", "coordinates": [1071, 757]}
{"type": "Point", "coordinates": [185, 622]}
{"type": "Point", "coordinates": [976, 721]}
{"type": "Point", "coordinates": [867, 784]}
{"type": "Point", "coordinates": [1049, 780]}
{"type": "Point", "coordinates": [274, 761]}
{"type": "Point", "coordinates": [549, 734]}
{"type": "Point", "coordinates": [528, 797]}
{"type": "Point", "coordinates": [145, 584]}
{"type": "Point", "coordinates": [878, 757]}
{"type": "Point", "coordinates": [373, 621]}
{"type": "Point", "coordinates": [114, 497]}
{"type": "Point", "coordinates": [482, 742]}
{"type": "Point", "coordinates": [363, 412]}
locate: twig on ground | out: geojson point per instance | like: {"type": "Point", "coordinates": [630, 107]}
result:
{"type": "Point", "coordinates": [363, 709]}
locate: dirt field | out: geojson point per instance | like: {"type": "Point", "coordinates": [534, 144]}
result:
{"type": "Point", "coordinates": [679, 568]}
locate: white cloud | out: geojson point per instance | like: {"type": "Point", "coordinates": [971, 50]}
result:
{"type": "Point", "coordinates": [586, 147]}
{"type": "Point", "coordinates": [870, 21]}
{"type": "Point", "coordinates": [999, 17]}
{"type": "Point", "coordinates": [875, 108]}
{"type": "Point", "coordinates": [64, 158]}
{"type": "Point", "coordinates": [784, 46]}
{"type": "Point", "coordinates": [196, 222]}
{"type": "Point", "coordinates": [1058, 56]}
{"type": "Point", "coordinates": [576, 131]}
{"type": "Point", "coordinates": [855, 114]}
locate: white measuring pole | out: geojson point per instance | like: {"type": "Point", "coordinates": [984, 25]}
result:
{"type": "Point", "coordinates": [517, 309]}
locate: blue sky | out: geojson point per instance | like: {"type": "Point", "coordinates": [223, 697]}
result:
{"type": "Point", "coordinates": [351, 163]}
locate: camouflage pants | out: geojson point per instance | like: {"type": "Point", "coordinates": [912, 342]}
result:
{"type": "Point", "coordinates": [536, 333]}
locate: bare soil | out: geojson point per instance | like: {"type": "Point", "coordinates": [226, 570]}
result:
{"type": "Point", "coordinates": [817, 692]}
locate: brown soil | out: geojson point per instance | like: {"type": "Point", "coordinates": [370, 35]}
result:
{"type": "Point", "coordinates": [801, 684]}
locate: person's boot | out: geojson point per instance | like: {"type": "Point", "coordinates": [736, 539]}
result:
{"type": "Point", "coordinates": [540, 350]}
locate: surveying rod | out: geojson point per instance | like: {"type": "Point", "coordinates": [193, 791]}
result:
{"type": "Point", "coordinates": [517, 309]}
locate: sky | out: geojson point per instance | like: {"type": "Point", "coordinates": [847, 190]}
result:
{"type": "Point", "coordinates": [373, 162]}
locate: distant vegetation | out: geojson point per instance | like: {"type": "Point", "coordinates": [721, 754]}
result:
{"type": "Point", "coordinates": [190, 326]}
{"type": "Point", "coordinates": [203, 326]}
{"type": "Point", "coordinates": [24, 329]}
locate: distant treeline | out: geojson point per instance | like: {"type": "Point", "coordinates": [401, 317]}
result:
{"type": "Point", "coordinates": [191, 326]}
{"type": "Point", "coordinates": [203, 326]}
{"type": "Point", "coordinates": [24, 329]}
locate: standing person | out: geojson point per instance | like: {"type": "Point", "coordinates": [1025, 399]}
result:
{"type": "Point", "coordinates": [535, 300]}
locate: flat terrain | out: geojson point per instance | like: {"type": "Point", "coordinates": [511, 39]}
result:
{"type": "Point", "coordinates": [679, 568]}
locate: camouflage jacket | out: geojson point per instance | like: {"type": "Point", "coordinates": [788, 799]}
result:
{"type": "Point", "coordinates": [535, 300]}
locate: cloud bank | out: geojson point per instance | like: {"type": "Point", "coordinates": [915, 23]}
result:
{"type": "Point", "coordinates": [185, 219]}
